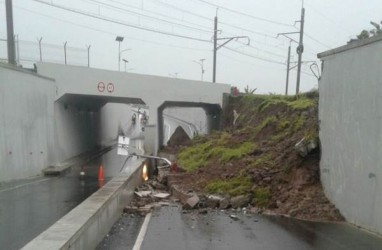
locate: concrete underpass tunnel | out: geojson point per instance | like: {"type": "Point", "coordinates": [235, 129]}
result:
{"type": "Point", "coordinates": [213, 116]}
{"type": "Point", "coordinates": [83, 122]}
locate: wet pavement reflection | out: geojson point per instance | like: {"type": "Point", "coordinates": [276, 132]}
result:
{"type": "Point", "coordinates": [169, 228]}
{"type": "Point", "coordinates": [30, 206]}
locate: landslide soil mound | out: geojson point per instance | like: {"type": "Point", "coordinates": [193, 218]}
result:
{"type": "Point", "coordinates": [255, 156]}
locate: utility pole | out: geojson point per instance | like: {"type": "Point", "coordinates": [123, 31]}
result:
{"type": "Point", "coordinates": [10, 33]}
{"type": "Point", "coordinates": [39, 47]}
{"type": "Point", "coordinates": [300, 49]}
{"type": "Point", "coordinates": [288, 60]}
{"type": "Point", "coordinates": [288, 65]}
{"type": "Point", "coordinates": [216, 47]}
{"type": "Point", "coordinates": [65, 51]}
{"type": "Point", "coordinates": [88, 47]}
{"type": "Point", "coordinates": [201, 63]}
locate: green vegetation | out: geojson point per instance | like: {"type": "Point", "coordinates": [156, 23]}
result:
{"type": "Point", "coordinates": [194, 157]}
{"type": "Point", "coordinates": [234, 187]}
{"type": "Point", "coordinates": [302, 103]}
{"type": "Point", "coordinates": [266, 122]}
{"type": "Point", "coordinates": [298, 123]}
{"type": "Point", "coordinates": [198, 155]}
{"type": "Point", "coordinates": [262, 196]}
{"type": "Point", "coordinates": [264, 160]}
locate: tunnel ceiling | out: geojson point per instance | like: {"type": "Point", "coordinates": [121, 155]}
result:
{"type": "Point", "coordinates": [95, 102]}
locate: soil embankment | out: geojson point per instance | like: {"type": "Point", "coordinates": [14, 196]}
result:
{"type": "Point", "coordinates": [254, 161]}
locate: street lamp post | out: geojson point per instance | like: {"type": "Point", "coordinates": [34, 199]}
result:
{"type": "Point", "coordinates": [125, 61]}
{"type": "Point", "coordinates": [201, 63]}
{"type": "Point", "coordinates": [119, 39]}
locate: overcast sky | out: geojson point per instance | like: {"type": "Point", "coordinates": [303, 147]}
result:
{"type": "Point", "coordinates": [329, 24]}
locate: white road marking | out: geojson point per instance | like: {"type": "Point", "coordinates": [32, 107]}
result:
{"type": "Point", "coordinates": [26, 184]}
{"type": "Point", "coordinates": [142, 233]}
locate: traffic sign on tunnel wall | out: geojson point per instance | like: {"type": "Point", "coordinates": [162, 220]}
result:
{"type": "Point", "coordinates": [101, 87]}
{"type": "Point", "coordinates": [110, 87]}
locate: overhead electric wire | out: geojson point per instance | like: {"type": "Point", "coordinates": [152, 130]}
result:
{"type": "Point", "coordinates": [316, 40]}
{"type": "Point", "coordinates": [160, 14]}
{"type": "Point", "coordinates": [108, 32]}
{"type": "Point", "coordinates": [255, 57]}
{"type": "Point", "coordinates": [244, 14]}
{"type": "Point", "coordinates": [121, 23]}
{"type": "Point", "coordinates": [180, 9]}
{"type": "Point", "coordinates": [147, 16]}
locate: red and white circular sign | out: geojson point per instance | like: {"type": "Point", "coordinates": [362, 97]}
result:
{"type": "Point", "coordinates": [101, 87]}
{"type": "Point", "coordinates": [110, 87]}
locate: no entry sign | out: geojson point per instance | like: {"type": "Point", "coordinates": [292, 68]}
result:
{"type": "Point", "coordinates": [101, 87]}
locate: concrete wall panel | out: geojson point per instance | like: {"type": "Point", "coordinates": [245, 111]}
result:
{"type": "Point", "coordinates": [26, 114]}
{"type": "Point", "coordinates": [350, 131]}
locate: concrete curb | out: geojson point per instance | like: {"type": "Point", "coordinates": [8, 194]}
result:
{"type": "Point", "coordinates": [86, 225]}
{"type": "Point", "coordinates": [60, 169]}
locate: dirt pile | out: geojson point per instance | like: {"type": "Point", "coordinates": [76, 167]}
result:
{"type": "Point", "coordinates": [255, 157]}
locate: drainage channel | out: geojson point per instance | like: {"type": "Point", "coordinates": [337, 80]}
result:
{"type": "Point", "coordinates": [29, 208]}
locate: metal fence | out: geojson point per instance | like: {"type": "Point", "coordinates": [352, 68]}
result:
{"type": "Point", "coordinates": [30, 52]}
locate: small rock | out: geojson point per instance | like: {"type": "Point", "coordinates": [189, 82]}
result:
{"type": "Point", "coordinates": [224, 203]}
{"type": "Point", "coordinates": [240, 201]}
{"type": "Point", "coordinates": [234, 217]}
{"type": "Point", "coordinates": [213, 201]}
{"type": "Point", "coordinates": [143, 193]}
{"type": "Point", "coordinates": [192, 202]}
{"type": "Point", "coordinates": [203, 211]}
{"type": "Point", "coordinates": [162, 195]}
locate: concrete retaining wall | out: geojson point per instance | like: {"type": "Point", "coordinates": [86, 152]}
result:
{"type": "Point", "coordinates": [351, 131]}
{"type": "Point", "coordinates": [85, 226]}
{"type": "Point", "coordinates": [26, 123]}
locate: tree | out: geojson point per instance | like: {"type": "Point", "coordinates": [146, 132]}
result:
{"type": "Point", "coordinates": [369, 33]}
{"type": "Point", "coordinates": [247, 90]}
{"type": "Point", "coordinates": [363, 35]}
{"type": "Point", "coordinates": [377, 31]}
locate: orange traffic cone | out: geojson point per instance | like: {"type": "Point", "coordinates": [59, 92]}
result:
{"type": "Point", "coordinates": [100, 173]}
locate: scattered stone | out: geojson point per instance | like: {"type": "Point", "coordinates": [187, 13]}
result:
{"type": "Point", "coordinates": [224, 203]}
{"type": "Point", "coordinates": [162, 195]}
{"type": "Point", "coordinates": [304, 147]}
{"type": "Point", "coordinates": [157, 185]}
{"type": "Point", "coordinates": [203, 211]}
{"type": "Point", "coordinates": [234, 217]}
{"type": "Point", "coordinates": [240, 201]}
{"type": "Point", "coordinates": [142, 194]}
{"type": "Point", "coordinates": [192, 202]}
{"type": "Point", "coordinates": [255, 210]}
{"type": "Point", "coordinates": [213, 201]}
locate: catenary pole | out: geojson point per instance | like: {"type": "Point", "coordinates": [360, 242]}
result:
{"type": "Point", "coordinates": [300, 50]}
{"type": "Point", "coordinates": [10, 33]}
{"type": "Point", "coordinates": [215, 48]}
{"type": "Point", "coordinates": [288, 66]}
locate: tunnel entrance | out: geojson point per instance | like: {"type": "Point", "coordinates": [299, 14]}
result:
{"type": "Point", "coordinates": [85, 122]}
{"type": "Point", "coordinates": [212, 118]}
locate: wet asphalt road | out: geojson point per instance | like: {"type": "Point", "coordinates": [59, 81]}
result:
{"type": "Point", "coordinates": [170, 229]}
{"type": "Point", "coordinates": [29, 207]}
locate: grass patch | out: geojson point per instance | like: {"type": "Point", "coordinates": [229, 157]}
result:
{"type": "Point", "coordinates": [266, 122]}
{"type": "Point", "coordinates": [302, 103]}
{"type": "Point", "coordinates": [233, 187]}
{"type": "Point", "coordinates": [198, 155]}
{"type": "Point", "coordinates": [262, 196]}
{"type": "Point", "coordinates": [227, 154]}
{"type": "Point", "coordinates": [264, 160]}
{"type": "Point", "coordinates": [194, 157]}
{"type": "Point", "coordinates": [298, 123]}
